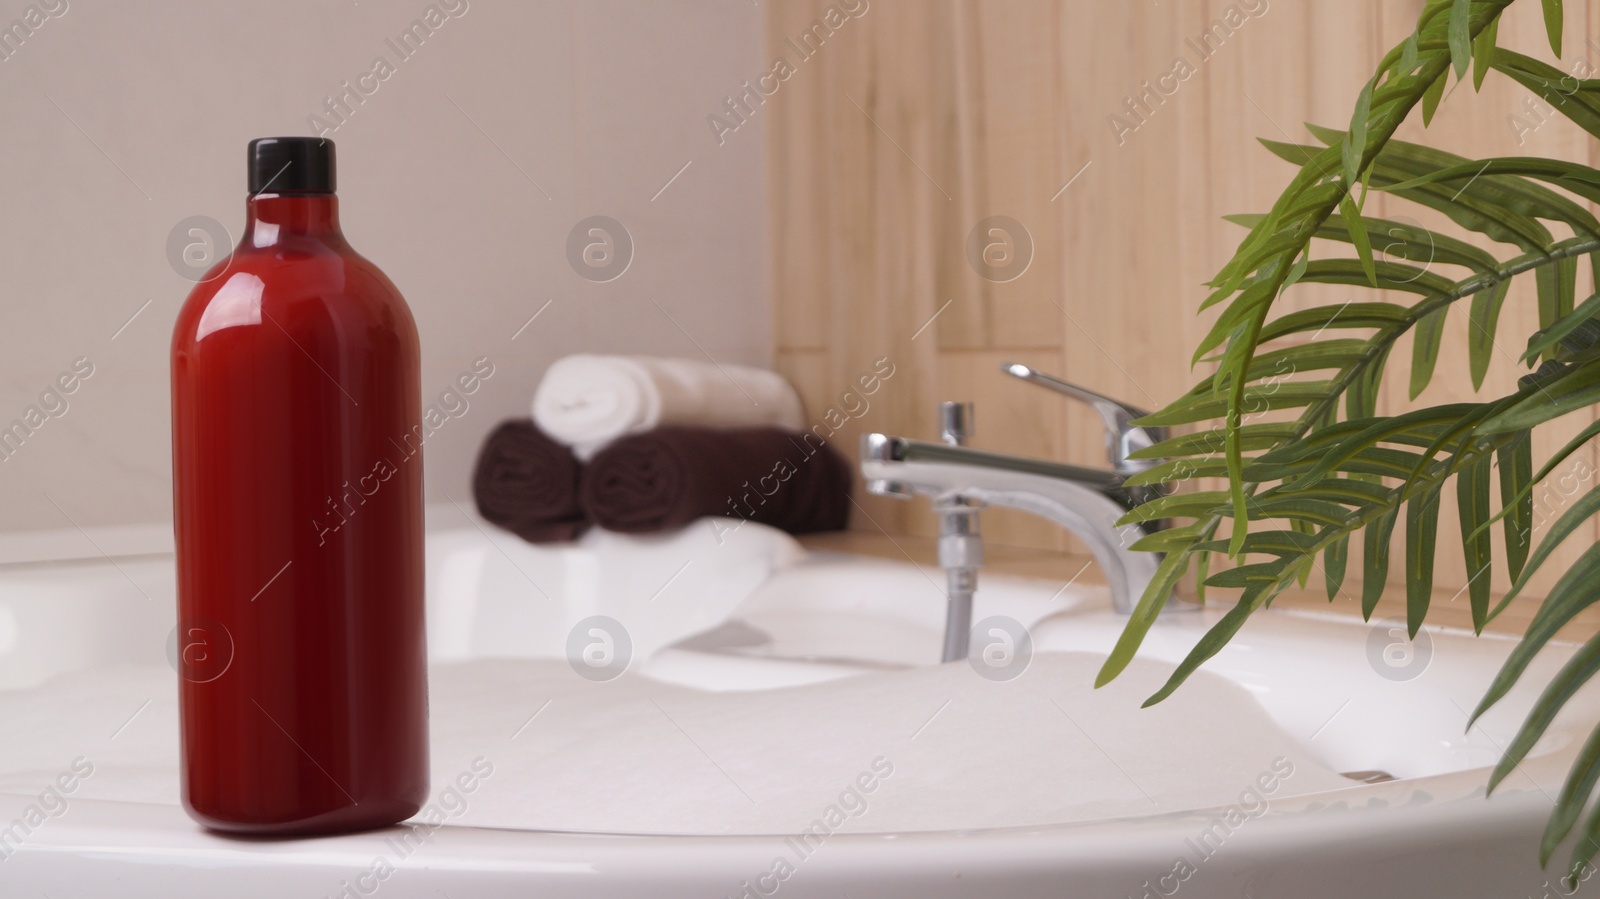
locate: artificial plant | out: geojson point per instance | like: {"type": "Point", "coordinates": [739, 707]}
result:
{"type": "Point", "coordinates": [1322, 469]}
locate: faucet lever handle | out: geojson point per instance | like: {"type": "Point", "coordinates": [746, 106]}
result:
{"type": "Point", "coordinates": [1123, 437]}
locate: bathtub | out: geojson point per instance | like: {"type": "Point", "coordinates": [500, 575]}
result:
{"type": "Point", "coordinates": [95, 627]}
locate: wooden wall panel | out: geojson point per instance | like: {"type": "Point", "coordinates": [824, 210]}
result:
{"type": "Point", "coordinates": [922, 118]}
{"type": "Point", "coordinates": [1004, 55]}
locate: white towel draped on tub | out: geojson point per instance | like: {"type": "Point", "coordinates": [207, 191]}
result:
{"type": "Point", "coordinates": [587, 401]}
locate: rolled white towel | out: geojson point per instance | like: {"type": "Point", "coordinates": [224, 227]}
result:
{"type": "Point", "coordinates": [587, 401]}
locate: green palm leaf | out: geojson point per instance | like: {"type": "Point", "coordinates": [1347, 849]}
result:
{"type": "Point", "coordinates": [1472, 502]}
{"type": "Point", "coordinates": [1574, 795]}
{"type": "Point", "coordinates": [1326, 469]}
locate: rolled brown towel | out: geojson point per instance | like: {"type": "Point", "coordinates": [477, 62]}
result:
{"type": "Point", "coordinates": [670, 476]}
{"type": "Point", "coordinates": [528, 484]}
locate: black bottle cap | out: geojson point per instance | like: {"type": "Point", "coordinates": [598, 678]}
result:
{"type": "Point", "coordinates": [291, 165]}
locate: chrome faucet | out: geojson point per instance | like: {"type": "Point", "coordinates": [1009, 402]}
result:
{"type": "Point", "coordinates": [961, 481]}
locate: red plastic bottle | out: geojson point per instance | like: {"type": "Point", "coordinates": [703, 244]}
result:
{"type": "Point", "coordinates": [297, 482]}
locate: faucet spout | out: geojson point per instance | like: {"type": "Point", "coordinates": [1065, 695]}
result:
{"type": "Point", "coordinates": [1085, 501]}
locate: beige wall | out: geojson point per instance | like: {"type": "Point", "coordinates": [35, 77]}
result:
{"type": "Point", "coordinates": [917, 120]}
{"type": "Point", "coordinates": [119, 120]}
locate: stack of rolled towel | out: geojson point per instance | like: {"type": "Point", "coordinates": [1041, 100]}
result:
{"type": "Point", "coordinates": [640, 444]}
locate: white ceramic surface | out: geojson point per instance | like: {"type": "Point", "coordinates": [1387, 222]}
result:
{"type": "Point", "coordinates": [1428, 833]}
